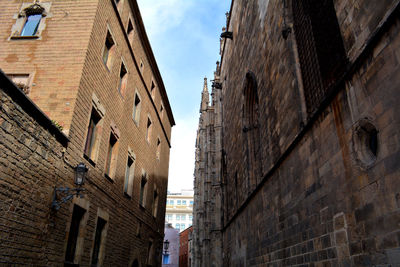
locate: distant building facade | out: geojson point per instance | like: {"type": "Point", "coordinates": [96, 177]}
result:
{"type": "Point", "coordinates": [89, 67]}
{"type": "Point", "coordinates": [179, 211]}
{"type": "Point", "coordinates": [184, 247]}
{"type": "Point", "coordinates": [170, 256]}
{"type": "Point", "coordinates": [297, 152]}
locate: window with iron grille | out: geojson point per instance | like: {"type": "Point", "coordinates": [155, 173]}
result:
{"type": "Point", "coordinates": [320, 46]}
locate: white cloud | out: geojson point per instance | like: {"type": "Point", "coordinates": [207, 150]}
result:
{"type": "Point", "coordinates": [159, 16]}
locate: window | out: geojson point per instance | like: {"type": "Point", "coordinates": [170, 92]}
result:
{"type": "Point", "coordinates": [130, 31]}
{"type": "Point", "coordinates": [136, 109]}
{"type": "Point", "coordinates": [30, 21]}
{"type": "Point", "coordinates": [190, 224]}
{"type": "Point", "coordinates": [152, 90]}
{"type": "Point", "coordinates": [123, 77]}
{"type": "Point", "coordinates": [179, 202]}
{"type": "Point", "coordinates": [155, 202]}
{"type": "Point", "coordinates": [150, 253]}
{"type": "Point", "coordinates": [92, 136]}
{"type": "Point", "coordinates": [191, 202]}
{"type": "Point", "coordinates": [31, 25]}
{"type": "Point", "coordinates": [129, 175]}
{"type": "Point", "coordinates": [169, 217]}
{"type": "Point", "coordinates": [320, 47]}
{"type": "Point", "coordinates": [148, 130]}
{"type": "Point", "coordinates": [190, 217]}
{"type": "Point", "coordinates": [251, 128]}
{"type": "Point", "coordinates": [98, 240]}
{"type": "Point", "coordinates": [143, 189]}
{"type": "Point", "coordinates": [183, 202]}
{"type": "Point", "coordinates": [158, 148]}
{"type": "Point", "coordinates": [109, 50]}
{"type": "Point", "coordinates": [182, 226]}
{"type": "Point", "coordinates": [162, 111]}
{"type": "Point", "coordinates": [178, 217]}
{"type": "Point", "coordinates": [111, 156]}
{"type": "Point", "coordinates": [141, 66]}
{"type": "Point", "coordinates": [178, 226]}
{"type": "Point", "coordinates": [166, 259]}
{"type": "Point", "coordinates": [183, 217]}
{"type": "Point", "coordinates": [171, 202]}
{"type": "Point", "coordinates": [119, 3]}
{"type": "Point", "coordinates": [22, 81]}
{"type": "Point", "coordinates": [77, 215]}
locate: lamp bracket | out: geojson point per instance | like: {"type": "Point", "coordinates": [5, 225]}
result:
{"type": "Point", "coordinates": [227, 34]}
{"type": "Point", "coordinates": [68, 193]}
{"type": "Point", "coordinates": [217, 85]}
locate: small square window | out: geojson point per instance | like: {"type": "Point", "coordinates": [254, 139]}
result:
{"type": "Point", "coordinates": [141, 66]}
{"type": "Point", "coordinates": [129, 175]}
{"type": "Point", "coordinates": [158, 149]}
{"type": "Point", "coordinates": [155, 202]}
{"type": "Point", "coordinates": [92, 136]}
{"type": "Point", "coordinates": [152, 90]}
{"type": "Point", "coordinates": [130, 32]}
{"type": "Point", "coordinates": [111, 156]}
{"type": "Point", "coordinates": [22, 81]}
{"type": "Point", "coordinates": [179, 202]}
{"type": "Point", "coordinates": [109, 50]}
{"type": "Point", "coordinates": [162, 111]}
{"type": "Point", "coordinates": [123, 78]}
{"type": "Point", "coordinates": [143, 190]}
{"type": "Point", "coordinates": [136, 109]}
{"type": "Point", "coordinates": [149, 130]}
{"type": "Point", "coordinates": [183, 202]}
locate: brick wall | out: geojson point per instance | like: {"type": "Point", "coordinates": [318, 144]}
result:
{"type": "Point", "coordinates": [68, 66]}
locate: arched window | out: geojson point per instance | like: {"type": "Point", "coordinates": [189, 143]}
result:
{"type": "Point", "coordinates": [251, 129]}
{"type": "Point", "coordinates": [250, 112]}
{"type": "Point", "coordinates": [320, 47]}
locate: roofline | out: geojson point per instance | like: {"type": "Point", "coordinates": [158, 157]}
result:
{"type": "Point", "coordinates": [149, 52]}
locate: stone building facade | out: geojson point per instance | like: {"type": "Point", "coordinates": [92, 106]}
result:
{"type": "Point", "coordinates": [308, 167]}
{"type": "Point", "coordinates": [89, 67]}
{"type": "Point", "coordinates": [207, 208]}
{"type": "Point", "coordinates": [179, 209]}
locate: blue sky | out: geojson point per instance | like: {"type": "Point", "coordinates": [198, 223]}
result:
{"type": "Point", "coordinates": [184, 35]}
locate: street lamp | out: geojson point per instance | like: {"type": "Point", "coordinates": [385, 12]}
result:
{"type": "Point", "coordinates": [79, 179]}
{"type": "Point", "coordinates": [166, 245]}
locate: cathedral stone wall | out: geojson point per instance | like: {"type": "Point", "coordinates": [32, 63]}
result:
{"type": "Point", "coordinates": [305, 187]}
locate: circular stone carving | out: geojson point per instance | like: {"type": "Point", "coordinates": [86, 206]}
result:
{"type": "Point", "coordinates": [365, 143]}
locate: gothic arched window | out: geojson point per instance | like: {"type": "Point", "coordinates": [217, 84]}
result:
{"type": "Point", "coordinates": [251, 129]}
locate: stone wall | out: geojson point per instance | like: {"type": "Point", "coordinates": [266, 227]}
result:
{"type": "Point", "coordinates": [306, 189]}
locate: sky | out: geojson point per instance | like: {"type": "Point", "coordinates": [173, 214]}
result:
{"type": "Point", "coordinates": [184, 36]}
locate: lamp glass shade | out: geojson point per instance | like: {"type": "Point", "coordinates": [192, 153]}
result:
{"type": "Point", "coordinates": [166, 244]}
{"type": "Point", "coordinates": [80, 174]}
